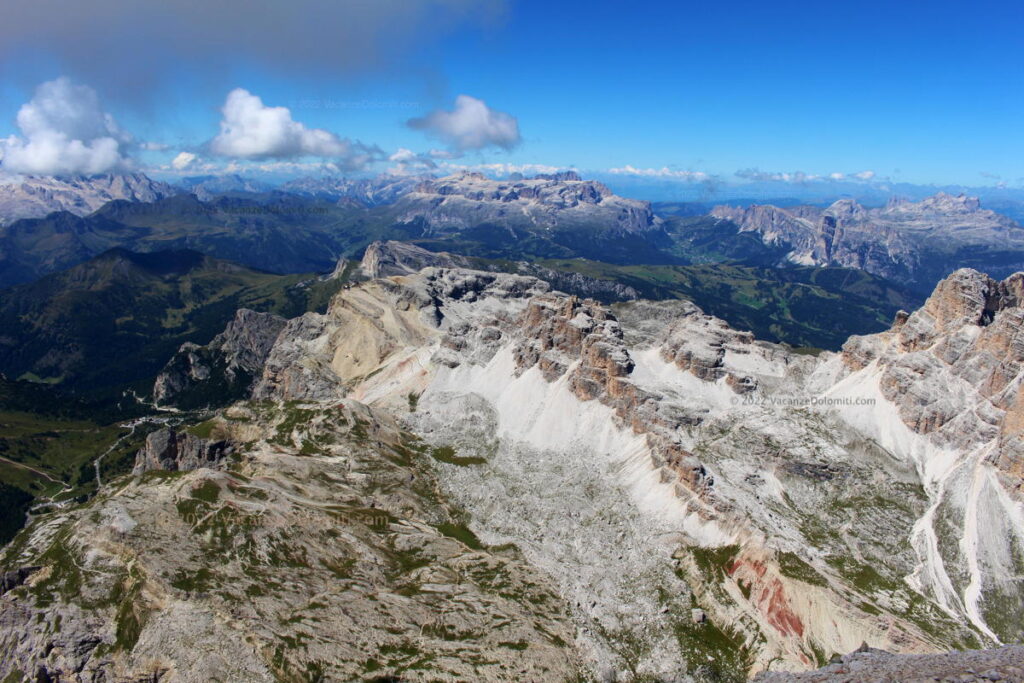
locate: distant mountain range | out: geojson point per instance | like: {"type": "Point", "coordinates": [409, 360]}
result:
{"type": "Point", "coordinates": [306, 225]}
{"type": "Point", "coordinates": [911, 242]}
{"type": "Point", "coordinates": [38, 196]}
{"type": "Point", "coordinates": [367, 191]}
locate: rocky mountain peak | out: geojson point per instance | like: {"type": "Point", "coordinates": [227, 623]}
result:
{"type": "Point", "coordinates": [38, 196]}
{"type": "Point", "coordinates": [967, 298]}
{"type": "Point", "coordinates": [946, 203]}
{"type": "Point", "coordinates": [384, 259]}
{"type": "Point", "coordinates": [846, 210]}
{"type": "Point", "coordinates": [376, 191]}
{"type": "Point", "coordinates": [905, 241]}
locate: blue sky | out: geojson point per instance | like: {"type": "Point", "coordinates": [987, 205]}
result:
{"type": "Point", "coordinates": [911, 91]}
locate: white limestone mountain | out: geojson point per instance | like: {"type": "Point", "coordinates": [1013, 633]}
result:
{"type": "Point", "coordinates": [905, 241]}
{"type": "Point", "coordinates": [38, 196]}
{"type": "Point", "coordinates": [560, 201]}
{"type": "Point", "coordinates": [639, 491]}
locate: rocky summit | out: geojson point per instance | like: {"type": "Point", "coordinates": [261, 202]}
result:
{"type": "Point", "coordinates": [561, 201]}
{"type": "Point", "coordinates": [455, 474]}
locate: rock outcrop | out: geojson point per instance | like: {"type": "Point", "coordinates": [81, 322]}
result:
{"type": "Point", "coordinates": [169, 450]}
{"type": "Point", "coordinates": [384, 259]}
{"type": "Point", "coordinates": [953, 368]}
{"type": "Point", "coordinates": [223, 370]}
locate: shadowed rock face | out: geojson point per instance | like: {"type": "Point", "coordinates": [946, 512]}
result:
{"type": "Point", "coordinates": [903, 241]}
{"type": "Point", "coordinates": [224, 369]}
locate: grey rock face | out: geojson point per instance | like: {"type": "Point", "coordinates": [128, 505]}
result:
{"type": "Point", "coordinates": [581, 285]}
{"type": "Point", "coordinates": [224, 369]}
{"type": "Point", "coordinates": [35, 197]}
{"type": "Point", "coordinates": [173, 451]}
{"type": "Point", "coordinates": [905, 241]}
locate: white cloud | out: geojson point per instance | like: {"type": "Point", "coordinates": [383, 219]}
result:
{"type": "Point", "coordinates": [65, 132]}
{"type": "Point", "coordinates": [404, 155]}
{"type": "Point", "coordinates": [470, 125]}
{"type": "Point", "coordinates": [251, 130]}
{"type": "Point", "coordinates": [663, 172]}
{"type": "Point", "coordinates": [408, 162]}
{"type": "Point", "coordinates": [183, 161]}
{"type": "Point", "coordinates": [502, 169]}
{"type": "Point", "coordinates": [799, 177]}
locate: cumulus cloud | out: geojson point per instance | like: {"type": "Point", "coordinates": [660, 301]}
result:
{"type": "Point", "coordinates": [409, 162]}
{"type": "Point", "coordinates": [183, 161]}
{"type": "Point", "coordinates": [64, 131]}
{"type": "Point", "coordinates": [470, 125]}
{"type": "Point", "coordinates": [864, 175]}
{"type": "Point", "coordinates": [154, 38]}
{"type": "Point", "coordinates": [252, 130]}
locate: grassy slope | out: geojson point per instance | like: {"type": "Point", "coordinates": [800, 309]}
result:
{"type": "Point", "coordinates": [47, 446]}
